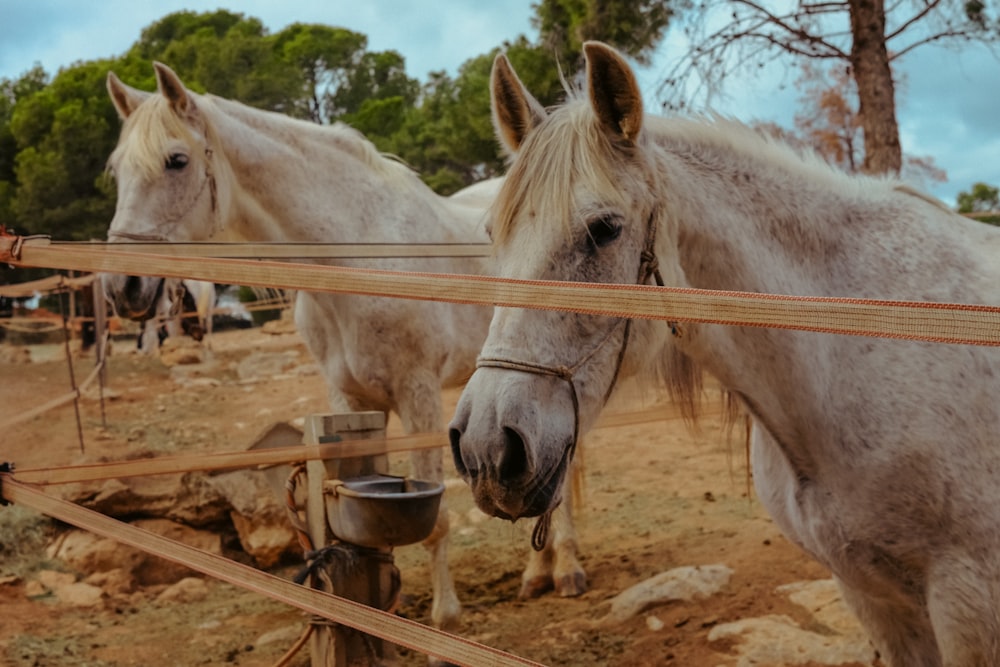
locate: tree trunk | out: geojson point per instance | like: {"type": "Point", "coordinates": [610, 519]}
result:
{"type": "Point", "coordinates": [876, 92]}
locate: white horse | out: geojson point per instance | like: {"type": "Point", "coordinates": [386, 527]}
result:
{"type": "Point", "coordinates": [196, 167]}
{"type": "Point", "coordinates": [879, 458]}
{"type": "Point", "coordinates": [184, 307]}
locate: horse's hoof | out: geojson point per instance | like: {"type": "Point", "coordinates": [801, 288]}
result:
{"type": "Point", "coordinates": [535, 587]}
{"type": "Point", "coordinates": [572, 585]}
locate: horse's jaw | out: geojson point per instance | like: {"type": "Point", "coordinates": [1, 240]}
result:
{"type": "Point", "coordinates": [512, 450]}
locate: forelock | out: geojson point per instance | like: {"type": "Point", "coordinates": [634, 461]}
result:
{"type": "Point", "coordinates": [146, 136]}
{"type": "Point", "coordinates": [567, 148]}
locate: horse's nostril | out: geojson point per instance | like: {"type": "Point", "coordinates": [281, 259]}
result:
{"type": "Point", "coordinates": [514, 463]}
{"type": "Point", "coordinates": [133, 284]}
{"type": "Point", "coordinates": [455, 437]}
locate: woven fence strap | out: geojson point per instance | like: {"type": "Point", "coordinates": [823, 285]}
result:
{"type": "Point", "coordinates": [259, 458]}
{"type": "Point", "coordinates": [401, 631]}
{"type": "Point", "coordinates": [934, 322]}
{"type": "Point", "coordinates": [45, 285]}
{"type": "Point", "coordinates": [295, 250]}
{"type": "Point", "coordinates": [167, 465]}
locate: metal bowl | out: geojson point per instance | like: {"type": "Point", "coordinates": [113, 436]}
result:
{"type": "Point", "coordinates": [382, 510]}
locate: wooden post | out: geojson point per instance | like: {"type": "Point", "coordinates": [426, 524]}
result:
{"type": "Point", "coordinates": [370, 581]}
{"type": "Point", "coordinates": [100, 327]}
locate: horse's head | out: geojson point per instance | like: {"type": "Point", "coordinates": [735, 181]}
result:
{"type": "Point", "coordinates": [575, 206]}
{"type": "Point", "coordinates": [167, 176]}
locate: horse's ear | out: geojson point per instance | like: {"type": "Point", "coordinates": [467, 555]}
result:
{"type": "Point", "coordinates": [515, 111]}
{"type": "Point", "coordinates": [172, 88]}
{"type": "Point", "coordinates": [125, 98]}
{"type": "Point", "coordinates": [614, 93]}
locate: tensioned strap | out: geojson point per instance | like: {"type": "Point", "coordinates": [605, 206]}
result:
{"type": "Point", "coordinates": [165, 465]}
{"type": "Point", "coordinates": [390, 627]}
{"type": "Point", "coordinates": [909, 320]}
{"type": "Point", "coordinates": [155, 245]}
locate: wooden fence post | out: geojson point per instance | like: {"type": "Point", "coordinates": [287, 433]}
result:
{"type": "Point", "coordinates": [370, 577]}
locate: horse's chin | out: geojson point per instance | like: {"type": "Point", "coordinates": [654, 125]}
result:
{"type": "Point", "coordinates": [133, 298]}
{"type": "Point", "coordinates": [535, 497]}
{"type": "Point", "coordinates": [136, 310]}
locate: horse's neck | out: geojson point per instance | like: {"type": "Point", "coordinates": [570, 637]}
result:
{"type": "Point", "coordinates": [745, 223]}
{"type": "Point", "coordinates": [752, 216]}
{"type": "Point", "coordinates": [297, 181]}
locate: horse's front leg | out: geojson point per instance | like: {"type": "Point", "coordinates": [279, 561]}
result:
{"type": "Point", "coordinates": [901, 635]}
{"type": "Point", "coordinates": [445, 609]}
{"type": "Point", "coordinates": [556, 566]}
{"type": "Point", "coordinates": [420, 411]}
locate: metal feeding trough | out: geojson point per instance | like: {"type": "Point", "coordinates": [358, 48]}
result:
{"type": "Point", "coordinates": [380, 511]}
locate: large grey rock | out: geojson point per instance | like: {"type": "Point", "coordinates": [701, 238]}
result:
{"type": "Point", "coordinates": [90, 554]}
{"type": "Point", "coordinates": [240, 500]}
{"type": "Point", "coordinates": [834, 636]}
{"type": "Point", "coordinates": [259, 516]}
{"type": "Point", "coordinates": [682, 583]}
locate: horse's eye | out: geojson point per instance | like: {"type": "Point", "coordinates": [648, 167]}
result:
{"type": "Point", "coordinates": [177, 161]}
{"type": "Point", "coordinates": [604, 230]}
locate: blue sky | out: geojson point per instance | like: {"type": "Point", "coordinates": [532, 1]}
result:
{"type": "Point", "coordinates": [947, 108]}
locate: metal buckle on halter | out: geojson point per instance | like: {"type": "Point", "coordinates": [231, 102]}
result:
{"type": "Point", "coordinates": [5, 468]}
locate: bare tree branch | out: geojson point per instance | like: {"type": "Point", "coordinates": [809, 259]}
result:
{"type": "Point", "coordinates": [916, 18]}
{"type": "Point", "coordinates": [810, 31]}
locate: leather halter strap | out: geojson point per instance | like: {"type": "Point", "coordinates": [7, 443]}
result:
{"type": "Point", "coordinates": [648, 267]}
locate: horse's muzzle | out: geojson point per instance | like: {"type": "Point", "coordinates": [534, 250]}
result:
{"type": "Point", "coordinates": [131, 297]}
{"type": "Point", "coordinates": [512, 489]}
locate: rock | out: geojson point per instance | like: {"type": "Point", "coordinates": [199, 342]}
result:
{"type": "Point", "coordinates": [822, 599]}
{"type": "Point", "coordinates": [80, 594]}
{"type": "Point", "coordinates": [89, 553]}
{"type": "Point", "coordinates": [834, 637]}
{"type": "Point", "coordinates": [188, 498]}
{"type": "Point", "coordinates": [34, 589]}
{"type": "Point", "coordinates": [113, 582]}
{"type": "Point", "coordinates": [65, 588]}
{"type": "Point", "coordinates": [259, 517]}
{"type": "Point", "coordinates": [778, 640]}
{"type": "Point", "coordinates": [180, 350]}
{"type": "Point", "coordinates": [242, 499]}
{"type": "Point", "coordinates": [682, 583]}
{"type": "Point", "coordinates": [267, 538]}
{"type": "Point", "coordinates": [285, 635]}
{"type": "Point", "coordinates": [189, 589]}
{"type": "Point", "coordinates": [53, 580]}
{"type": "Point", "coordinates": [154, 570]}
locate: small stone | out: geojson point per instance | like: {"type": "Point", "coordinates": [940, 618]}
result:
{"type": "Point", "coordinates": [189, 589]}
{"type": "Point", "coordinates": [285, 635]}
{"type": "Point", "coordinates": [80, 594]}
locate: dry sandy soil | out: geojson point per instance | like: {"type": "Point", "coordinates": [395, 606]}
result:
{"type": "Point", "coordinates": [658, 495]}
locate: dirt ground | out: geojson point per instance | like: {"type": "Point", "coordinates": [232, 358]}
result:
{"type": "Point", "coordinates": [658, 495]}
